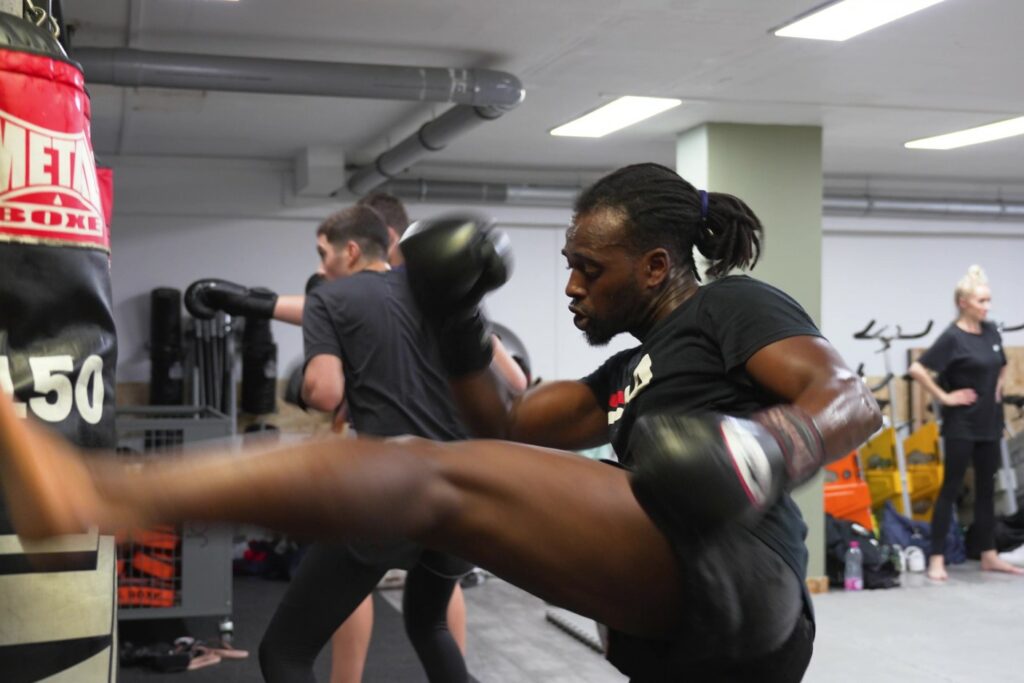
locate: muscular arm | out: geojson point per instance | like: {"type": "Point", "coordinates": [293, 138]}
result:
{"type": "Point", "coordinates": [562, 414]}
{"type": "Point", "coordinates": [323, 384]}
{"type": "Point", "coordinates": [809, 374]}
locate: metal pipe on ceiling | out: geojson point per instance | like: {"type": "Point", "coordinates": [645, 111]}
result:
{"type": "Point", "coordinates": [133, 68]}
{"type": "Point", "coordinates": [563, 195]}
{"type": "Point", "coordinates": [480, 95]}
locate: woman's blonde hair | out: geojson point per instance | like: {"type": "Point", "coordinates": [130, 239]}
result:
{"type": "Point", "coordinates": [969, 283]}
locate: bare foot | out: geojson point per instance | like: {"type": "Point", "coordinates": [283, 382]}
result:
{"type": "Point", "coordinates": [47, 487]}
{"type": "Point", "coordinates": [937, 568]}
{"type": "Point", "coordinates": [991, 562]}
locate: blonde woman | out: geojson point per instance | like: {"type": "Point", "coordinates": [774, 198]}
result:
{"type": "Point", "coordinates": [964, 370]}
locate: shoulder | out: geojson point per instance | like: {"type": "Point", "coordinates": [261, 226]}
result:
{"type": "Point", "coordinates": [742, 296]}
{"type": "Point", "coordinates": [741, 288]}
{"type": "Point", "coordinates": [990, 329]}
{"type": "Point", "coordinates": [950, 335]}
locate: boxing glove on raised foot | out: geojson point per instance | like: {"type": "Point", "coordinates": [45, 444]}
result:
{"type": "Point", "coordinates": [204, 298]}
{"type": "Point", "coordinates": [452, 261]}
{"type": "Point", "coordinates": [698, 471]}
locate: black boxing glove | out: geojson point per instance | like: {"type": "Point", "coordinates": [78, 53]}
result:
{"type": "Point", "coordinates": [204, 298]}
{"type": "Point", "coordinates": [695, 472]}
{"type": "Point", "coordinates": [452, 261]}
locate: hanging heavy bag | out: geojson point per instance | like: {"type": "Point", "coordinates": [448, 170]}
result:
{"type": "Point", "coordinates": [57, 348]}
{"type": "Point", "coordinates": [57, 338]}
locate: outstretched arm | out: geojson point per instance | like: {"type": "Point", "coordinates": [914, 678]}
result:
{"type": "Point", "coordinates": [288, 308]}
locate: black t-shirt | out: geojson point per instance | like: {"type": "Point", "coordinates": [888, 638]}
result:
{"type": "Point", "coordinates": [969, 361]}
{"type": "Point", "coordinates": [694, 360]}
{"type": "Point", "coordinates": [393, 378]}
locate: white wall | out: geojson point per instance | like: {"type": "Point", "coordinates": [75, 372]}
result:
{"type": "Point", "coordinates": [176, 221]}
{"type": "Point", "coordinates": [903, 272]}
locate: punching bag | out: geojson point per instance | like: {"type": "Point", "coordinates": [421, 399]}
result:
{"type": "Point", "coordinates": [57, 349]}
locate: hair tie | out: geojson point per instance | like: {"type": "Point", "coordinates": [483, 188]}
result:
{"type": "Point", "coordinates": [703, 204]}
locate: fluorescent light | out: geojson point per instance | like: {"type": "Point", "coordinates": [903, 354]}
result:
{"type": "Point", "coordinates": [845, 19]}
{"type": "Point", "coordinates": [971, 136]}
{"type": "Point", "coordinates": [617, 114]}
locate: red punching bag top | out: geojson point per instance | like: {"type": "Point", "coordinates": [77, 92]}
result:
{"type": "Point", "coordinates": [49, 191]}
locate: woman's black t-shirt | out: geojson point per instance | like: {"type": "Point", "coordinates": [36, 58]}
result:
{"type": "Point", "coordinates": [969, 361]}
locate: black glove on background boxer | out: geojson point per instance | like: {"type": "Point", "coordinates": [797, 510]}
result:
{"type": "Point", "coordinates": [205, 297]}
{"type": "Point", "coordinates": [452, 261]}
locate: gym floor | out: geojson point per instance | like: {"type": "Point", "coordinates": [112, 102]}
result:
{"type": "Point", "coordinates": [963, 631]}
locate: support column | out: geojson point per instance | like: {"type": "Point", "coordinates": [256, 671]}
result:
{"type": "Point", "coordinates": [777, 171]}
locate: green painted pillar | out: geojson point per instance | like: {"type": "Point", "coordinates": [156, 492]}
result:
{"type": "Point", "coordinates": [777, 171]}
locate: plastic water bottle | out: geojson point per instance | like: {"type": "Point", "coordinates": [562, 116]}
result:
{"type": "Point", "coordinates": [854, 575]}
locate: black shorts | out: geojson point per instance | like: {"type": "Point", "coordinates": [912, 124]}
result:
{"type": "Point", "coordinates": [743, 608]}
{"type": "Point", "coordinates": [746, 614]}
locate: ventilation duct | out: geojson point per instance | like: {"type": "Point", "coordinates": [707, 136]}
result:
{"type": "Point", "coordinates": [564, 195]}
{"type": "Point", "coordinates": [479, 94]}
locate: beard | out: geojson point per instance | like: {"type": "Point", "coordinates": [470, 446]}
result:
{"type": "Point", "coordinates": [598, 333]}
{"type": "Point", "coordinates": [626, 309]}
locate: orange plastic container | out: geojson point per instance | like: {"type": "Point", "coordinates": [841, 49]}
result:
{"type": "Point", "coordinates": [846, 494]}
{"type": "Point", "coordinates": [850, 501]}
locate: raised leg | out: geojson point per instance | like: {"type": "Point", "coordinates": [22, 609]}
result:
{"type": "Point", "coordinates": [562, 527]}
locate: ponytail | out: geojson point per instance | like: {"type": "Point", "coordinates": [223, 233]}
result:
{"type": "Point", "coordinates": [729, 236]}
{"type": "Point", "coordinates": [663, 210]}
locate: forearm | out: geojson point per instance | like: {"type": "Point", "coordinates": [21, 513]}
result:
{"type": "Point", "coordinates": [924, 378]}
{"type": "Point", "coordinates": [485, 403]}
{"type": "Point", "coordinates": [288, 308]}
{"type": "Point", "coordinates": [825, 423]}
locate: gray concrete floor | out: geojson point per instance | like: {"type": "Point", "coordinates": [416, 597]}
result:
{"type": "Point", "coordinates": [969, 629]}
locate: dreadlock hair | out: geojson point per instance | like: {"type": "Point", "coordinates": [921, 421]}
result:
{"type": "Point", "coordinates": [663, 210]}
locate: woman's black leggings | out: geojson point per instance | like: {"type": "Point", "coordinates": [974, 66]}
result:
{"type": "Point", "coordinates": [333, 579]}
{"type": "Point", "coordinates": [959, 454]}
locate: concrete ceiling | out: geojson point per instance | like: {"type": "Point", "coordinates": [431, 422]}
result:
{"type": "Point", "coordinates": [949, 67]}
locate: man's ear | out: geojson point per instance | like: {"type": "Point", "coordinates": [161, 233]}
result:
{"type": "Point", "coordinates": [656, 267]}
{"type": "Point", "coordinates": [393, 239]}
{"type": "Point", "coordinates": [353, 252]}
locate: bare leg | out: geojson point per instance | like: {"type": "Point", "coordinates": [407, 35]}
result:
{"type": "Point", "coordinates": [991, 562]}
{"type": "Point", "coordinates": [350, 644]}
{"type": "Point", "coordinates": [562, 527]}
{"type": "Point", "coordinates": [457, 618]}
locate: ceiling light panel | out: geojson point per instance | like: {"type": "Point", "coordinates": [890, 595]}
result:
{"type": "Point", "coordinates": [618, 114]}
{"type": "Point", "coordinates": [843, 20]}
{"type": "Point", "coordinates": [971, 136]}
